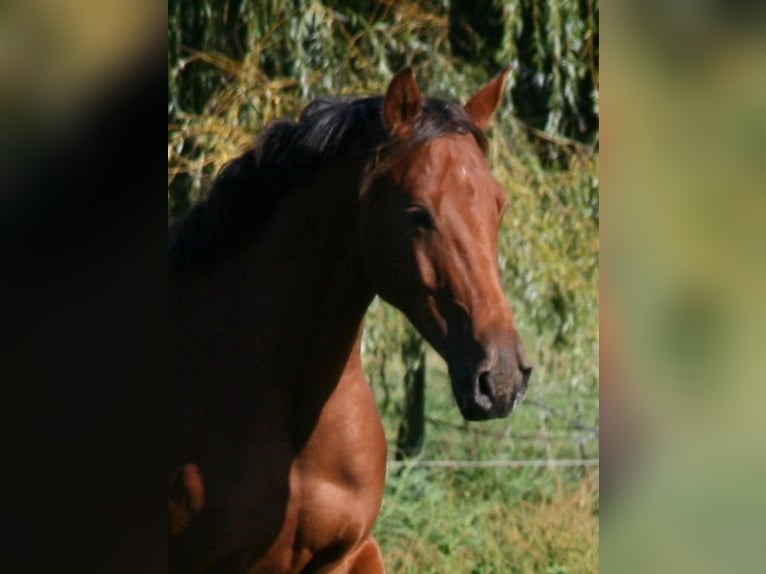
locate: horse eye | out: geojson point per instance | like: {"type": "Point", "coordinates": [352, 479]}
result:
{"type": "Point", "coordinates": [419, 217]}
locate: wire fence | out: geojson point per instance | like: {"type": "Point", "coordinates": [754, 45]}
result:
{"type": "Point", "coordinates": [580, 432]}
{"type": "Point", "coordinates": [568, 421]}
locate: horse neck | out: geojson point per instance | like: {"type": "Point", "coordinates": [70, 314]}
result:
{"type": "Point", "coordinates": [316, 232]}
{"type": "Point", "coordinates": [298, 293]}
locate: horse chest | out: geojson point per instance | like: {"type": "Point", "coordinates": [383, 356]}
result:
{"type": "Point", "coordinates": [336, 485]}
{"type": "Point", "coordinates": [331, 516]}
{"type": "Point", "coordinates": [326, 518]}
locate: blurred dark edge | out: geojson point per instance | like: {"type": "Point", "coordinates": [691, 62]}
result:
{"type": "Point", "coordinates": [83, 319]}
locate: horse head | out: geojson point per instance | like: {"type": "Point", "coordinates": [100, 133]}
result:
{"type": "Point", "coordinates": [431, 214]}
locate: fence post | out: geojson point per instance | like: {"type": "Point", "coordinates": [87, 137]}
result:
{"type": "Point", "coordinates": [412, 426]}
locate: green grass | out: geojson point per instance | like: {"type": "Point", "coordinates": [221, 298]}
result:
{"type": "Point", "coordinates": [490, 520]}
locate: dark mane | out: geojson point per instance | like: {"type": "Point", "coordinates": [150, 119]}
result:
{"type": "Point", "coordinates": [248, 188]}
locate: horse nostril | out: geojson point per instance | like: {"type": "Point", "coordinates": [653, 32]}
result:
{"type": "Point", "coordinates": [486, 387]}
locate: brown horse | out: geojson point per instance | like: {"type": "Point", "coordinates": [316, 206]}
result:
{"type": "Point", "coordinates": [277, 452]}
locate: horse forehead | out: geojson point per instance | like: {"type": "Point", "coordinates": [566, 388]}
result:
{"type": "Point", "coordinates": [450, 164]}
{"type": "Point", "coordinates": [453, 152]}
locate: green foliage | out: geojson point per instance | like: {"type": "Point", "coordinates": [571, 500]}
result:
{"type": "Point", "coordinates": [246, 63]}
{"type": "Point", "coordinates": [554, 47]}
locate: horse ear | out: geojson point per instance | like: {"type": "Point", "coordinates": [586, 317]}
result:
{"type": "Point", "coordinates": [403, 104]}
{"type": "Point", "coordinates": [481, 107]}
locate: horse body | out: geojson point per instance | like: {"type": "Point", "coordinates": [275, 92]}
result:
{"type": "Point", "coordinates": [277, 452]}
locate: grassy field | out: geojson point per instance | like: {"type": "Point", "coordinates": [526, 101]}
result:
{"type": "Point", "coordinates": [491, 520]}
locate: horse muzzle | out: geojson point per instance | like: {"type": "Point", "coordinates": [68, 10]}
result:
{"type": "Point", "coordinates": [491, 393]}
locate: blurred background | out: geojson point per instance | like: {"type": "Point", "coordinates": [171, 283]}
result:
{"type": "Point", "coordinates": [516, 495]}
{"type": "Point", "coordinates": [82, 286]}
{"type": "Point", "coordinates": [683, 318]}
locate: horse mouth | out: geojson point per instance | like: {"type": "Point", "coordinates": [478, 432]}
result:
{"type": "Point", "coordinates": [478, 407]}
{"type": "Point", "coordinates": [474, 414]}
{"type": "Point", "coordinates": [472, 411]}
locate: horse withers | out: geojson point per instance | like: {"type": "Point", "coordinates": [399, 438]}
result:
{"type": "Point", "coordinates": [277, 452]}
